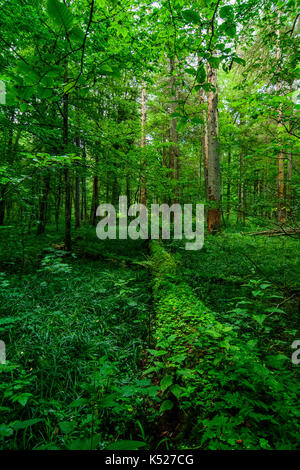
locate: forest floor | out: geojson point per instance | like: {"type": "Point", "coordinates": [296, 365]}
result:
{"type": "Point", "coordinates": [80, 332]}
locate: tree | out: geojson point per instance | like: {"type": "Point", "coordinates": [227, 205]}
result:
{"type": "Point", "coordinates": [213, 155]}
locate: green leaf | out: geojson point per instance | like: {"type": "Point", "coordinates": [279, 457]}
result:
{"type": "Point", "coordinates": [22, 398]}
{"type": "Point", "coordinates": [274, 310]}
{"type": "Point", "coordinates": [7, 320]}
{"type": "Point", "coordinates": [44, 92]}
{"type": "Point", "coordinates": [264, 286]}
{"type": "Point", "coordinates": [201, 74]}
{"type": "Point", "coordinates": [156, 353]}
{"type": "Point", "coordinates": [67, 426]}
{"type": "Point", "coordinates": [166, 382]}
{"type": "Point", "coordinates": [17, 425]}
{"type": "Point", "coordinates": [60, 13]}
{"type": "Point", "coordinates": [77, 34]}
{"type": "Point", "coordinates": [276, 361]}
{"type": "Point", "coordinates": [126, 445]}
{"type": "Point", "coordinates": [177, 390]}
{"type": "Point", "coordinates": [260, 318]}
{"type": "Point", "coordinates": [229, 28]}
{"type": "Point", "coordinates": [109, 400]}
{"type": "Point", "coordinates": [23, 107]}
{"type": "Point", "coordinates": [264, 444]}
{"type": "Point", "coordinates": [197, 121]}
{"type": "Point", "coordinates": [239, 60]}
{"type": "Point", "coordinates": [89, 443]}
{"type": "Point", "coordinates": [214, 62]}
{"type": "Point", "coordinates": [227, 12]}
{"type": "Point", "coordinates": [182, 123]}
{"type": "Point", "coordinates": [191, 71]}
{"type": "Point", "coordinates": [77, 403]}
{"type": "Point", "coordinates": [191, 16]}
{"type": "Point", "coordinates": [166, 406]}
{"type": "Point", "coordinates": [5, 431]}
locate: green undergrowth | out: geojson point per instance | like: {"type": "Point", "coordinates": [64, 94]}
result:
{"type": "Point", "coordinates": [22, 251]}
{"type": "Point", "coordinates": [74, 332]}
{"type": "Point", "coordinates": [219, 389]}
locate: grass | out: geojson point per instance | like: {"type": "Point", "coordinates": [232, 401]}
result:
{"type": "Point", "coordinates": [74, 332]}
{"type": "Point", "coordinates": [77, 327]}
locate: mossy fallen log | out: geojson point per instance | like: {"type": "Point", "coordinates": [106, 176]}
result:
{"type": "Point", "coordinates": [215, 389]}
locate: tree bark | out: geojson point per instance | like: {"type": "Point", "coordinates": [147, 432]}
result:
{"type": "Point", "coordinates": [289, 181]}
{"type": "Point", "coordinates": [2, 204]}
{"type": "Point", "coordinates": [228, 186]}
{"type": "Point", "coordinates": [280, 157]}
{"type": "Point", "coordinates": [77, 201]}
{"type": "Point", "coordinates": [173, 149]}
{"type": "Point", "coordinates": [77, 182]}
{"type": "Point", "coordinates": [204, 142]}
{"type": "Point", "coordinates": [83, 186]}
{"type": "Point", "coordinates": [43, 202]}
{"type": "Point", "coordinates": [213, 177]}
{"type": "Point", "coordinates": [68, 198]}
{"type": "Point", "coordinates": [95, 196]}
{"type": "Point", "coordinates": [143, 145]}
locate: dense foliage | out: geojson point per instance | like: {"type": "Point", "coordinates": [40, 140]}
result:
{"type": "Point", "coordinates": [128, 344]}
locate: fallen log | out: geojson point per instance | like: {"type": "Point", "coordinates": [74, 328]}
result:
{"type": "Point", "coordinates": [274, 233]}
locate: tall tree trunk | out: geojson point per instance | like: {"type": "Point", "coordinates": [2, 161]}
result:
{"type": "Point", "coordinates": [83, 186]}
{"type": "Point", "coordinates": [9, 157]}
{"type": "Point", "coordinates": [173, 149]}
{"type": "Point", "coordinates": [128, 190]}
{"type": "Point", "coordinates": [2, 204]}
{"type": "Point", "coordinates": [242, 185]}
{"type": "Point", "coordinates": [213, 177]}
{"type": "Point", "coordinates": [115, 190]}
{"type": "Point", "coordinates": [289, 182]}
{"type": "Point", "coordinates": [58, 200]}
{"type": "Point", "coordinates": [43, 202]}
{"type": "Point", "coordinates": [280, 157]}
{"type": "Point", "coordinates": [165, 159]}
{"type": "Point", "coordinates": [95, 195]}
{"type": "Point", "coordinates": [228, 186]}
{"type": "Point", "coordinates": [77, 188]}
{"type": "Point", "coordinates": [77, 200]}
{"type": "Point", "coordinates": [68, 198]}
{"type": "Point", "coordinates": [204, 142]}
{"type": "Point", "coordinates": [143, 145]}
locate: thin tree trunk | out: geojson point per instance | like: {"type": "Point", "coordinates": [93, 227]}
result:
{"type": "Point", "coordinates": [214, 178]}
{"type": "Point", "coordinates": [173, 149]}
{"type": "Point", "coordinates": [9, 157]}
{"type": "Point", "coordinates": [289, 182]}
{"type": "Point", "coordinates": [280, 157]}
{"type": "Point", "coordinates": [165, 159]}
{"type": "Point", "coordinates": [143, 145]}
{"type": "Point", "coordinates": [241, 188]}
{"type": "Point", "coordinates": [58, 201]}
{"type": "Point", "coordinates": [128, 190]}
{"type": "Point", "coordinates": [204, 142]}
{"type": "Point", "coordinates": [77, 189]}
{"type": "Point", "coordinates": [43, 202]}
{"type": "Point", "coordinates": [83, 187]}
{"type": "Point", "coordinates": [2, 204]}
{"type": "Point", "coordinates": [77, 201]}
{"type": "Point", "coordinates": [228, 186]}
{"type": "Point", "coordinates": [68, 198]}
{"type": "Point", "coordinates": [95, 195]}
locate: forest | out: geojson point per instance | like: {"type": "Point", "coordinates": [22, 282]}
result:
{"type": "Point", "coordinates": [120, 340]}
